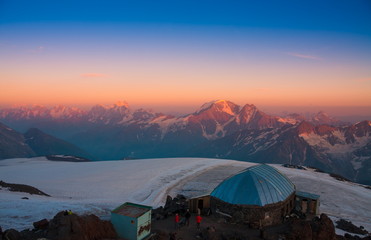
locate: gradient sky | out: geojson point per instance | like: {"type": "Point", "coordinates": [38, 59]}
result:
{"type": "Point", "coordinates": [163, 54]}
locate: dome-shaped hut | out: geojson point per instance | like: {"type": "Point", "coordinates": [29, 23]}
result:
{"type": "Point", "coordinates": [259, 195]}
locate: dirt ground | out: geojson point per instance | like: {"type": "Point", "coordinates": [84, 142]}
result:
{"type": "Point", "coordinates": [190, 232]}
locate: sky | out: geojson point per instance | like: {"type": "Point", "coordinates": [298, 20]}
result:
{"type": "Point", "coordinates": [177, 55]}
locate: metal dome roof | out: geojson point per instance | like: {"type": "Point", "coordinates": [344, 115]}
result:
{"type": "Point", "coordinates": [258, 185]}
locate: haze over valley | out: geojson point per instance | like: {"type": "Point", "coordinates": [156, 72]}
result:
{"type": "Point", "coordinates": [218, 129]}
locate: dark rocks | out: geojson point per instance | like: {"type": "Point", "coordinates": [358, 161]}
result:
{"type": "Point", "coordinates": [65, 158]}
{"type": "Point", "coordinates": [300, 230]}
{"type": "Point", "coordinates": [348, 236]}
{"type": "Point", "coordinates": [293, 166]}
{"type": "Point", "coordinates": [323, 228]}
{"type": "Point", "coordinates": [176, 205]}
{"type": "Point", "coordinates": [160, 235]}
{"type": "Point", "coordinates": [173, 205]}
{"type": "Point", "coordinates": [74, 227]}
{"type": "Point", "coordinates": [320, 228]}
{"type": "Point", "coordinates": [12, 234]}
{"type": "Point", "coordinates": [339, 177]}
{"type": "Point", "coordinates": [238, 217]}
{"type": "Point", "coordinates": [66, 227]}
{"type": "Point", "coordinates": [42, 224]}
{"type": "Point", "coordinates": [13, 187]}
{"type": "Point", "coordinates": [210, 233]}
{"type": "Point", "coordinates": [350, 227]}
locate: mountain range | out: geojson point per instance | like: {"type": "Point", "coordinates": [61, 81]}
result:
{"type": "Point", "coordinates": [220, 129]}
{"type": "Point", "coordinates": [34, 143]}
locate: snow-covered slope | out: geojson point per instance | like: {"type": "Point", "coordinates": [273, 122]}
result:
{"type": "Point", "coordinates": [98, 187]}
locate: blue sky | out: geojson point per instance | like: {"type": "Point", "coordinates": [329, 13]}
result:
{"type": "Point", "coordinates": [339, 16]}
{"type": "Point", "coordinates": [169, 53]}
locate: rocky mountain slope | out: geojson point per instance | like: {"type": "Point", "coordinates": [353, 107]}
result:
{"type": "Point", "coordinates": [34, 143]}
{"type": "Point", "coordinates": [43, 145]}
{"type": "Point", "coordinates": [13, 144]}
{"type": "Point", "coordinates": [341, 150]}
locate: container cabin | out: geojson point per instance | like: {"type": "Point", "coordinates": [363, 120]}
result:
{"type": "Point", "coordinates": [132, 221]}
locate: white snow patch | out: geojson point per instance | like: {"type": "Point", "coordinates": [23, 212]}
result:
{"type": "Point", "coordinates": [167, 124]}
{"type": "Point", "coordinates": [291, 121]}
{"type": "Point", "coordinates": [341, 147]}
{"type": "Point", "coordinates": [219, 132]}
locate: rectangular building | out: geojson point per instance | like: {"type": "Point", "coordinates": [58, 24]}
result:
{"type": "Point", "coordinates": [132, 221]}
{"type": "Point", "coordinates": [307, 203]}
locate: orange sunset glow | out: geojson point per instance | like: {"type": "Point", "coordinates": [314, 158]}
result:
{"type": "Point", "coordinates": [181, 66]}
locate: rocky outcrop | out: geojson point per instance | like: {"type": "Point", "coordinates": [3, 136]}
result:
{"type": "Point", "coordinates": [42, 224]}
{"type": "Point", "coordinates": [11, 234]}
{"type": "Point", "coordinates": [74, 227]}
{"type": "Point", "coordinates": [66, 226]}
{"type": "Point", "coordinates": [13, 187]}
{"type": "Point", "coordinates": [174, 205]}
{"type": "Point", "coordinates": [323, 228]}
{"type": "Point", "coordinates": [300, 230]}
{"type": "Point", "coordinates": [350, 227]}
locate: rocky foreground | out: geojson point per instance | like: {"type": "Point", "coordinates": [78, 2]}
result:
{"type": "Point", "coordinates": [65, 226]}
{"type": "Point", "coordinates": [69, 226]}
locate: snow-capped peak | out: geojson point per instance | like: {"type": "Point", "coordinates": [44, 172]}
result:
{"type": "Point", "coordinates": [206, 106]}
{"type": "Point", "coordinates": [220, 105]}
{"type": "Point", "coordinates": [61, 111]}
{"type": "Point", "coordinates": [122, 104]}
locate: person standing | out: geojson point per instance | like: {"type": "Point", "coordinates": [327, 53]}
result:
{"type": "Point", "coordinates": [187, 216]}
{"type": "Point", "coordinates": [198, 221]}
{"type": "Point", "coordinates": [176, 220]}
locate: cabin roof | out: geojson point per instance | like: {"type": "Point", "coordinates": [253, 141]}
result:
{"type": "Point", "coordinates": [258, 185]}
{"type": "Point", "coordinates": [131, 210]}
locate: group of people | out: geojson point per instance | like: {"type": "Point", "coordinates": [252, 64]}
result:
{"type": "Point", "coordinates": [67, 212]}
{"type": "Point", "coordinates": [178, 221]}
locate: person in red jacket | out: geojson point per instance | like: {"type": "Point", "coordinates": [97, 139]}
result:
{"type": "Point", "coordinates": [198, 221]}
{"type": "Point", "coordinates": [176, 221]}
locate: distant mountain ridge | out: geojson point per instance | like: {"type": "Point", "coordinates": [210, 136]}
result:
{"type": "Point", "coordinates": [44, 145]}
{"type": "Point", "coordinates": [220, 129]}
{"type": "Point", "coordinates": [34, 143]}
{"type": "Point", "coordinates": [341, 150]}
{"type": "Point", "coordinates": [13, 144]}
{"type": "Point", "coordinates": [121, 113]}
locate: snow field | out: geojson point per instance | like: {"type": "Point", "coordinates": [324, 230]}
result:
{"type": "Point", "coordinates": [98, 187]}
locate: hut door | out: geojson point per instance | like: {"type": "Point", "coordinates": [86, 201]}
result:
{"type": "Point", "coordinates": [304, 205]}
{"type": "Point", "coordinates": [200, 204]}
